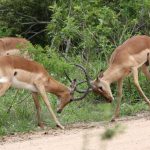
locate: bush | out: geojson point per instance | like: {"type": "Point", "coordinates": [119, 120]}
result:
{"type": "Point", "coordinates": [84, 32]}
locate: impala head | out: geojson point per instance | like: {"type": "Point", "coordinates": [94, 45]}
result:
{"type": "Point", "coordinates": [102, 87]}
{"type": "Point", "coordinates": [68, 95]}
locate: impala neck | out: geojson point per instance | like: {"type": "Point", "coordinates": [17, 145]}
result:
{"type": "Point", "coordinates": [55, 87]}
{"type": "Point", "coordinates": [112, 74]}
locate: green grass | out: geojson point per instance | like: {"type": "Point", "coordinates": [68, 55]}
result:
{"type": "Point", "coordinates": [22, 116]}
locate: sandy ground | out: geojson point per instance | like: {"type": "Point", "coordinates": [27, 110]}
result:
{"type": "Point", "coordinates": [136, 136]}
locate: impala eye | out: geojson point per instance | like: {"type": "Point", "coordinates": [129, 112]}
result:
{"type": "Point", "coordinates": [100, 88]}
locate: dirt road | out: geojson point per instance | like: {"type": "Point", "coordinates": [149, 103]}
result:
{"type": "Point", "coordinates": [136, 136]}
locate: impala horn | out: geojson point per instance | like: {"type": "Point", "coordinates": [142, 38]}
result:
{"type": "Point", "coordinates": [75, 84]}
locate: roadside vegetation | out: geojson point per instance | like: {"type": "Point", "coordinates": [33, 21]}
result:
{"type": "Point", "coordinates": [65, 32]}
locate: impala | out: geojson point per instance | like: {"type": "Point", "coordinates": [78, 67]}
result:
{"type": "Point", "coordinates": [19, 72]}
{"type": "Point", "coordinates": [12, 45]}
{"type": "Point", "coordinates": [126, 59]}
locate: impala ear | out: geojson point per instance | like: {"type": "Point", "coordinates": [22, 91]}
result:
{"type": "Point", "coordinates": [97, 79]}
{"type": "Point", "coordinates": [101, 74]}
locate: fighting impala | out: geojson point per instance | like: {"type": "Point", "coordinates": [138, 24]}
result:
{"type": "Point", "coordinates": [12, 45]}
{"type": "Point", "coordinates": [19, 72]}
{"type": "Point", "coordinates": [126, 59]}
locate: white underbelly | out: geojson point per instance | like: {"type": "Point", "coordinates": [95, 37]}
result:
{"type": "Point", "coordinates": [23, 85]}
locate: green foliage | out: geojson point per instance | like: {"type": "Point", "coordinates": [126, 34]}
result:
{"type": "Point", "coordinates": [27, 17]}
{"type": "Point", "coordinates": [51, 60]}
{"type": "Point", "coordinates": [84, 32]}
{"type": "Point", "coordinates": [96, 26]}
{"type": "Point", "coordinates": [89, 25]}
{"type": "Point", "coordinates": [4, 31]}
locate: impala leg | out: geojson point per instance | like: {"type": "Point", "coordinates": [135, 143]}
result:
{"type": "Point", "coordinates": [4, 87]}
{"type": "Point", "coordinates": [119, 97]}
{"type": "Point", "coordinates": [42, 91]}
{"type": "Point", "coordinates": [145, 70]}
{"type": "Point", "coordinates": [38, 108]}
{"type": "Point", "coordinates": [136, 82]}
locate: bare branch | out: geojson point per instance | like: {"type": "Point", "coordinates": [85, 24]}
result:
{"type": "Point", "coordinates": [36, 33]}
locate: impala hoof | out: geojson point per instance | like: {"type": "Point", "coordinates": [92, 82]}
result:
{"type": "Point", "coordinates": [41, 125]}
{"type": "Point", "coordinates": [113, 120]}
{"type": "Point", "coordinates": [60, 126]}
{"type": "Point", "coordinates": [59, 111]}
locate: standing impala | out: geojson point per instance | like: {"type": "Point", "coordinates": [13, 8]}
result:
{"type": "Point", "coordinates": [127, 58]}
{"type": "Point", "coordinates": [12, 45]}
{"type": "Point", "coordinates": [19, 72]}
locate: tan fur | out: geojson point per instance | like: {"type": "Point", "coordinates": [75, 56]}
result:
{"type": "Point", "coordinates": [132, 46]}
{"type": "Point", "coordinates": [126, 59]}
{"type": "Point", "coordinates": [27, 74]}
{"type": "Point", "coordinates": [12, 45]}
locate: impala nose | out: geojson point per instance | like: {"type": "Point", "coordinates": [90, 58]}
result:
{"type": "Point", "coordinates": [59, 111]}
{"type": "Point", "coordinates": [110, 99]}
